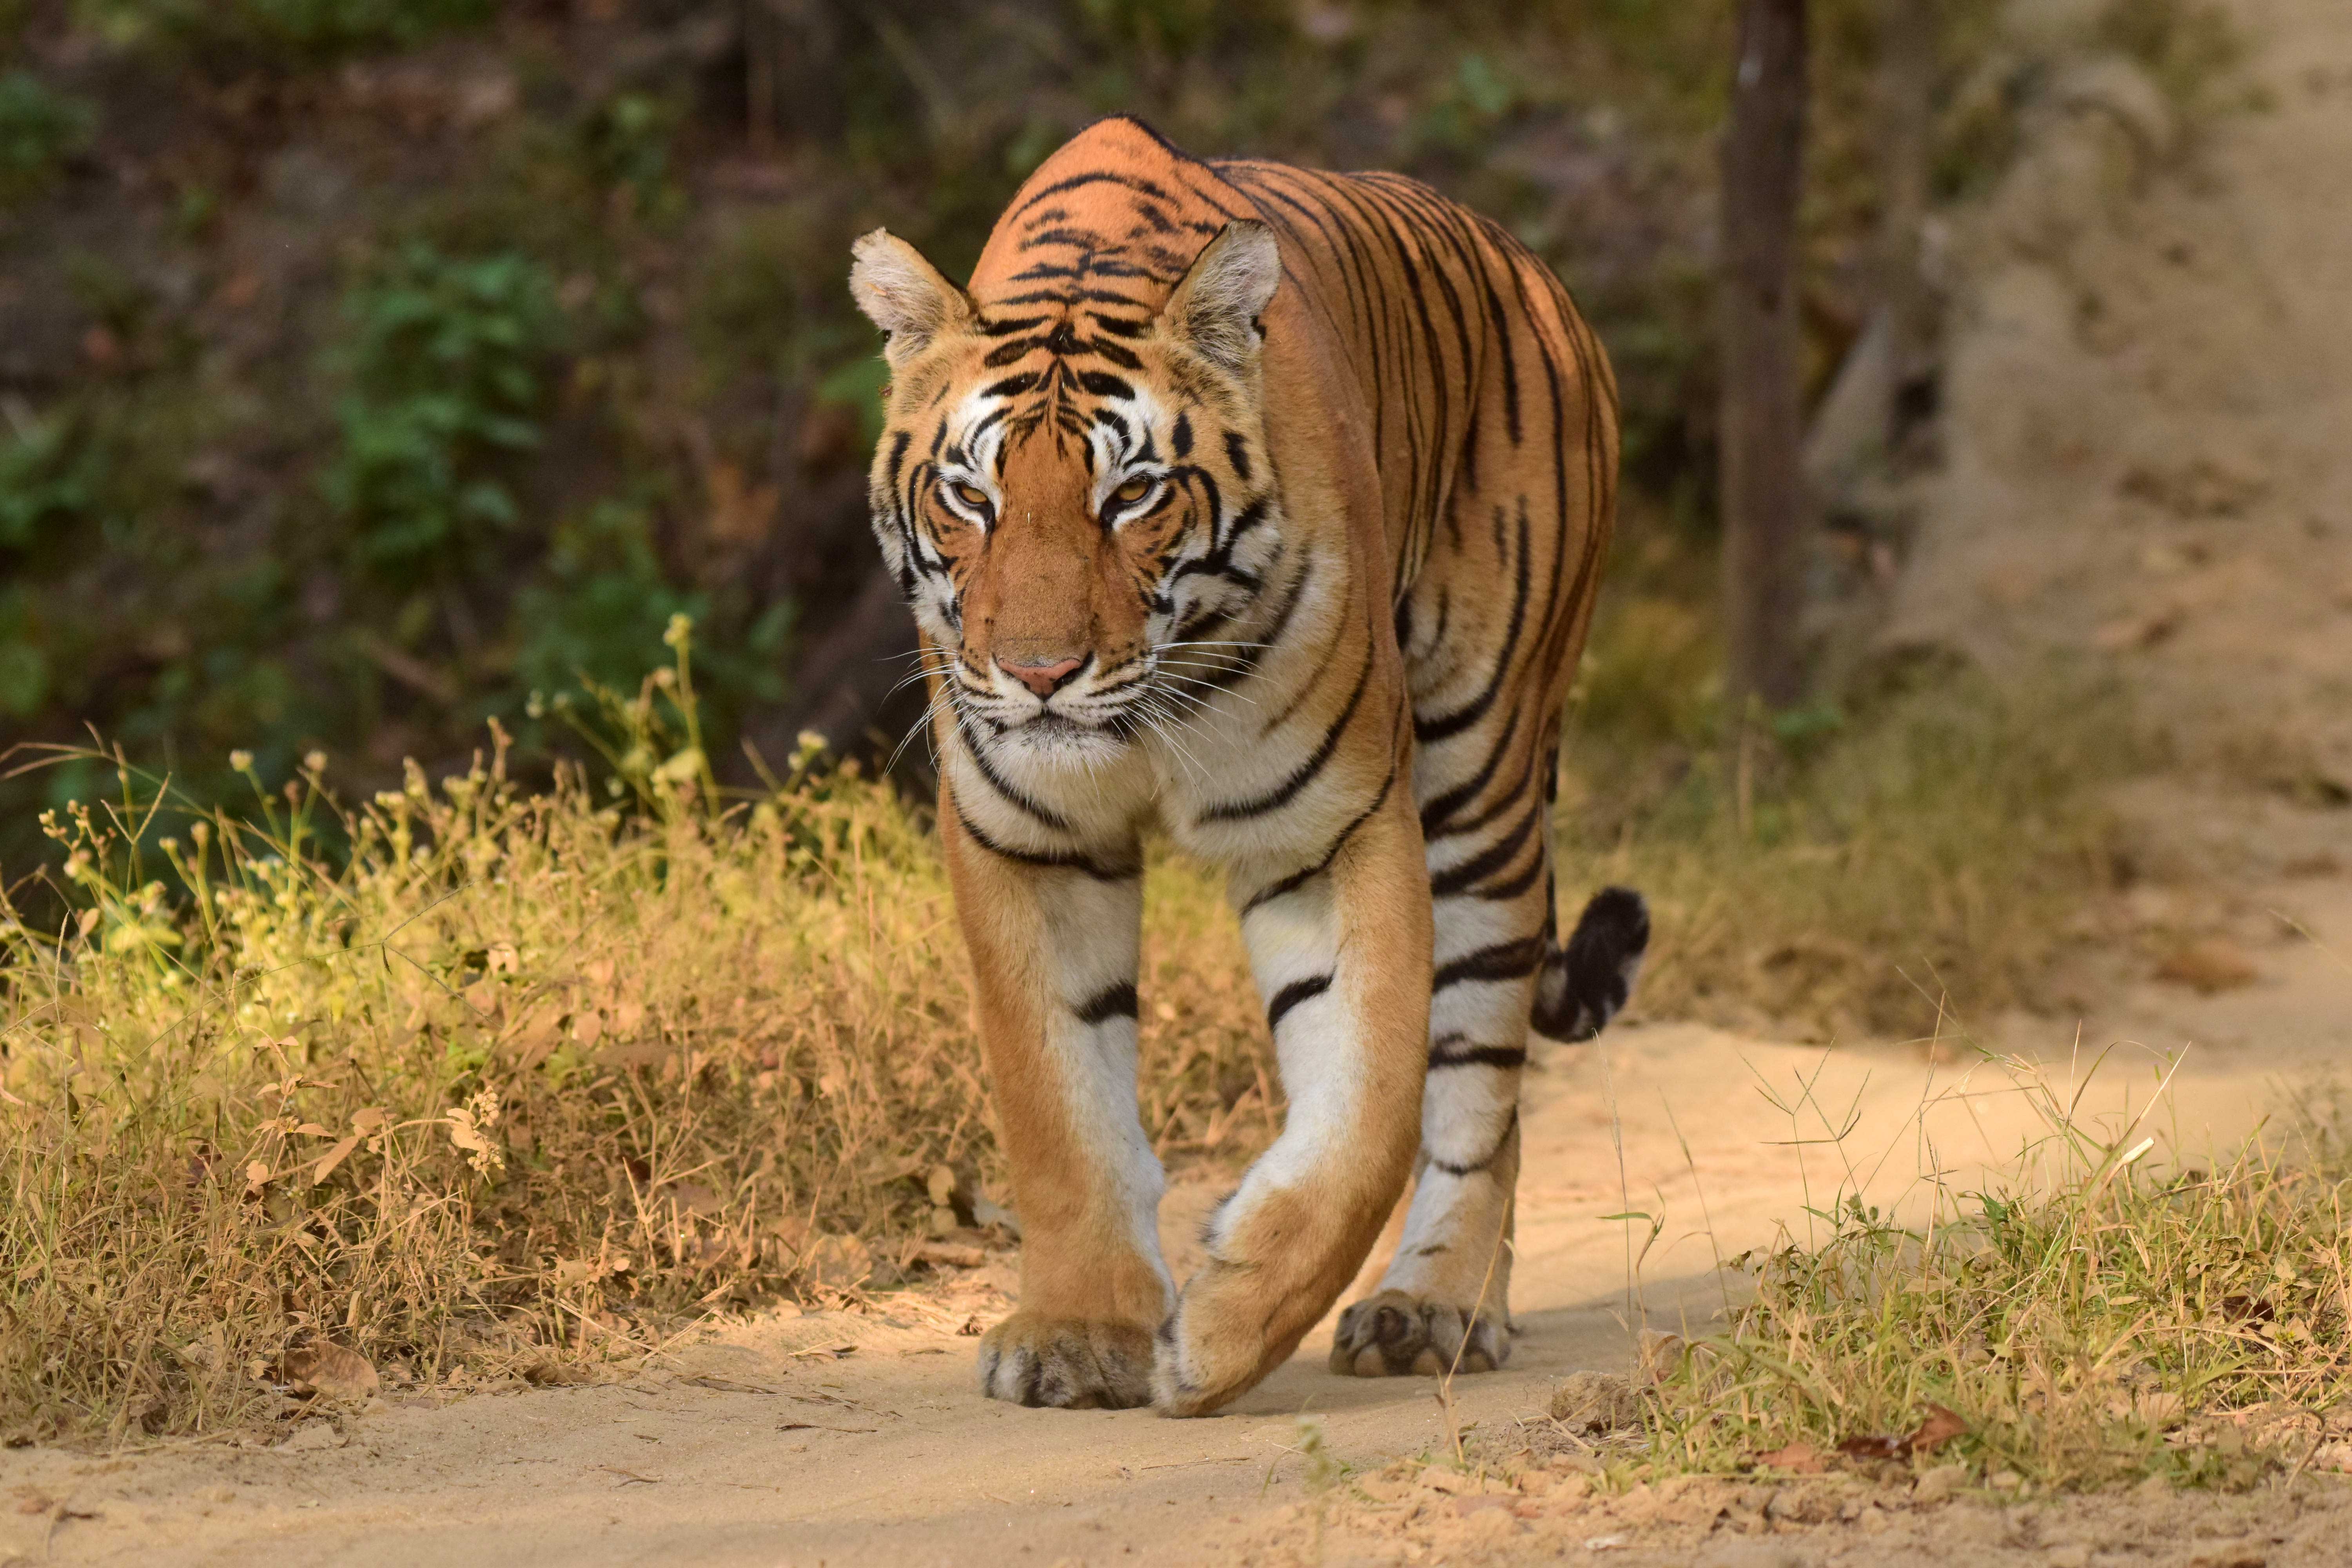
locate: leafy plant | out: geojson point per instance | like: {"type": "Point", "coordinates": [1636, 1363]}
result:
{"type": "Point", "coordinates": [44, 479]}
{"type": "Point", "coordinates": [447, 377]}
{"type": "Point", "coordinates": [40, 129]}
{"type": "Point", "coordinates": [603, 601]}
{"type": "Point", "coordinates": [285, 32]}
{"type": "Point", "coordinates": [627, 143]}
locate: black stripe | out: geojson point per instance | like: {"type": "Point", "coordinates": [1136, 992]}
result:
{"type": "Point", "coordinates": [1299, 878]}
{"type": "Point", "coordinates": [1248, 517]}
{"type": "Point", "coordinates": [1282, 794]}
{"type": "Point", "coordinates": [1501, 891]}
{"type": "Point", "coordinates": [1006, 790]}
{"type": "Point", "coordinates": [1437, 812]}
{"type": "Point", "coordinates": [1292, 994]}
{"type": "Point", "coordinates": [1052, 860]}
{"type": "Point", "coordinates": [1503, 961]}
{"type": "Point", "coordinates": [1427, 730]}
{"type": "Point", "coordinates": [1491, 1155]}
{"type": "Point", "coordinates": [1117, 1001]}
{"type": "Point", "coordinates": [1487, 861]}
{"type": "Point", "coordinates": [1450, 1051]}
{"type": "Point", "coordinates": [1246, 661]}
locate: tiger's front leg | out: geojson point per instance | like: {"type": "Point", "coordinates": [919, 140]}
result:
{"type": "Point", "coordinates": [1054, 952]}
{"type": "Point", "coordinates": [1341, 957]}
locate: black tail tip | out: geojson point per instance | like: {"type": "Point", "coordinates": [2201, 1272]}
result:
{"type": "Point", "coordinates": [1587, 983]}
{"type": "Point", "coordinates": [1616, 923]}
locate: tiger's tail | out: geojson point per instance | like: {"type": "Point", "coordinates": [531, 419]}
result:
{"type": "Point", "coordinates": [1583, 985]}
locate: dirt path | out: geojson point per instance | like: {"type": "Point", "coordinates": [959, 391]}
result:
{"type": "Point", "coordinates": [2150, 459]}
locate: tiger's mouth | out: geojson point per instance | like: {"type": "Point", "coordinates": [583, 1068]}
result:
{"type": "Point", "coordinates": [1086, 727]}
{"type": "Point", "coordinates": [1050, 725]}
{"type": "Point", "coordinates": [1101, 714]}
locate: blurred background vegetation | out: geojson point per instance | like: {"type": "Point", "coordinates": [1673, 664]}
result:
{"type": "Point", "coordinates": [370, 369]}
{"type": "Point", "coordinates": [366, 366]}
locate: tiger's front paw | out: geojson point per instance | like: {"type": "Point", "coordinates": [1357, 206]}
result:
{"type": "Point", "coordinates": [1069, 1363]}
{"type": "Point", "coordinates": [1214, 1347]}
{"type": "Point", "coordinates": [1395, 1333]}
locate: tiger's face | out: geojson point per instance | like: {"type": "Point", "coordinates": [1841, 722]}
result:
{"type": "Point", "coordinates": [1074, 491]}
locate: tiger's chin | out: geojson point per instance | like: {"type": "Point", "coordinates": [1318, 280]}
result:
{"type": "Point", "coordinates": [1058, 741]}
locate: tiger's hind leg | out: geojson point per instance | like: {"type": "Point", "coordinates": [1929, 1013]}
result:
{"type": "Point", "coordinates": [1490, 630]}
{"type": "Point", "coordinates": [1443, 1304]}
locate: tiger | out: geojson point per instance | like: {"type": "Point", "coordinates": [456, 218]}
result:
{"type": "Point", "coordinates": [1263, 507]}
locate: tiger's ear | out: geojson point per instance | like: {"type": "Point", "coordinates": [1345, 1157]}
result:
{"type": "Point", "coordinates": [903, 295]}
{"type": "Point", "coordinates": [1215, 309]}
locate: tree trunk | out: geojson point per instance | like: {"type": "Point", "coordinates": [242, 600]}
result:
{"type": "Point", "coordinates": [1906, 87]}
{"type": "Point", "coordinates": [1764, 505]}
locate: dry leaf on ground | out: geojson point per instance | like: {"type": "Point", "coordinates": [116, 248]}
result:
{"type": "Point", "coordinates": [2213, 964]}
{"type": "Point", "coordinates": [333, 1371]}
{"type": "Point", "coordinates": [1595, 1402]}
{"type": "Point", "coordinates": [1881, 1445]}
{"type": "Point", "coordinates": [953, 1254]}
{"type": "Point", "coordinates": [841, 1261]}
{"type": "Point", "coordinates": [1940, 1427]}
{"type": "Point", "coordinates": [2142, 630]}
{"type": "Point", "coordinates": [1797, 1458]}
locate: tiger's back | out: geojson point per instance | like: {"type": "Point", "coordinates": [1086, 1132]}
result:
{"type": "Point", "coordinates": [1454, 338]}
{"type": "Point", "coordinates": [1269, 503]}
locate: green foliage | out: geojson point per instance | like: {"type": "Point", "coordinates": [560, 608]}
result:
{"type": "Point", "coordinates": [764, 299]}
{"type": "Point", "coordinates": [44, 488]}
{"type": "Point", "coordinates": [603, 601]}
{"type": "Point", "coordinates": [1464, 116]}
{"type": "Point", "coordinates": [40, 129]}
{"type": "Point", "coordinates": [447, 372]}
{"type": "Point", "coordinates": [44, 481]}
{"type": "Point", "coordinates": [283, 33]}
{"type": "Point", "coordinates": [1175, 27]}
{"type": "Point", "coordinates": [627, 143]}
{"type": "Point", "coordinates": [23, 666]}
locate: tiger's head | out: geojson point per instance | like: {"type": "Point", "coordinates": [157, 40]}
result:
{"type": "Point", "coordinates": [1073, 487]}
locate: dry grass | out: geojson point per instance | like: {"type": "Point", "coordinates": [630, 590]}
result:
{"type": "Point", "coordinates": [513, 1084]}
{"type": "Point", "coordinates": [1936, 842]}
{"type": "Point", "coordinates": [2101, 1313]}
{"type": "Point", "coordinates": [478, 1080]}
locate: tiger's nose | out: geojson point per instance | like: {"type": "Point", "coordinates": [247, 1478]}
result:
{"type": "Point", "coordinates": [1045, 679]}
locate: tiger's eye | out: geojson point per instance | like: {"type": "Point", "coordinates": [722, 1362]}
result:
{"type": "Point", "coordinates": [1134, 490]}
{"type": "Point", "coordinates": [972, 496]}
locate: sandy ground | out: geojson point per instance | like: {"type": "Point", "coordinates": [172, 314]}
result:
{"type": "Point", "coordinates": [2150, 399]}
